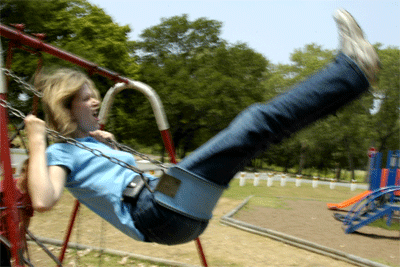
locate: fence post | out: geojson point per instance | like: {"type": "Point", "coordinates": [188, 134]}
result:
{"type": "Point", "coordinates": [256, 179]}
{"type": "Point", "coordinates": [353, 185]}
{"type": "Point", "coordinates": [332, 184]}
{"type": "Point", "coordinates": [242, 180]}
{"type": "Point", "coordinates": [270, 179]}
{"type": "Point", "coordinates": [283, 179]}
{"type": "Point", "coordinates": [298, 180]}
{"type": "Point", "coordinates": [315, 182]}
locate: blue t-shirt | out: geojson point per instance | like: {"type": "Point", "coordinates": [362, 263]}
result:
{"type": "Point", "coordinates": [97, 182]}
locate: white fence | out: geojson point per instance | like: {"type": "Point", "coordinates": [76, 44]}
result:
{"type": "Point", "coordinates": [18, 156]}
{"type": "Point", "coordinates": [271, 178]}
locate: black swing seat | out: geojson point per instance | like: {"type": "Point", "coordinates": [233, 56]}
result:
{"type": "Point", "coordinates": [188, 194]}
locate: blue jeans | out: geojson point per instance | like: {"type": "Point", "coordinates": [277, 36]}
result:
{"type": "Point", "coordinates": [250, 133]}
{"type": "Point", "coordinates": [161, 225]}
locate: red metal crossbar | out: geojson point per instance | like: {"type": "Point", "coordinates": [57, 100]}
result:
{"type": "Point", "coordinates": [17, 36]}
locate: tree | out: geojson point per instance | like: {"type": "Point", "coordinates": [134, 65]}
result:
{"type": "Point", "coordinates": [76, 26]}
{"type": "Point", "coordinates": [202, 80]}
{"type": "Point", "coordinates": [337, 141]}
{"type": "Point", "coordinates": [306, 61]}
{"type": "Point", "coordinates": [385, 122]}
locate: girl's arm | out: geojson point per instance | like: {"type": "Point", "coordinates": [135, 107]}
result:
{"type": "Point", "coordinates": [45, 184]}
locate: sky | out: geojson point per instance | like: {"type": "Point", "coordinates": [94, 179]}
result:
{"type": "Point", "coordinates": [274, 28]}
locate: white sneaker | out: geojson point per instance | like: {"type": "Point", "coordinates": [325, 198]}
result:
{"type": "Point", "coordinates": [354, 45]}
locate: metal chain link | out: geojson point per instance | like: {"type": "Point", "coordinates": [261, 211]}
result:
{"type": "Point", "coordinates": [74, 142]}
{"type": "Point", "coordinates": [125, 148]}
{"type": "Point", "coordinates": [12, 110]}
{"type": "Point", "coordinates": [30, 88]}
{"type": "Point", "coordinates": [23, 84]}
{"type": "Point", "coordinates": [95, 152]}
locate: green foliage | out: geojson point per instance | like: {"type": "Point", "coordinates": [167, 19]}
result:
{"type": "Point", "coordinates": [75, 26]}
{"type": "Point", "coordinates": [342, 140]}
{"type": "Point", "coordinates": [203, 81]}
{"type": "Point", "coordinates": [385, 123]}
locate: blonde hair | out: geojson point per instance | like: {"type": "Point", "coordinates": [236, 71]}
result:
{"type": "Point", "coordinates": [59, 89]}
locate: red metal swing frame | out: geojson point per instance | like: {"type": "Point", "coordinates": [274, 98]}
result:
{"type": "Point", "coordinates": [36, 45]}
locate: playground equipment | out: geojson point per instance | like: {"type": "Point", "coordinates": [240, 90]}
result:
{"type": "Point", "coordinates": [380, 203]}
{"type": "Point", "coordinates": [11, 233]}
{"type": "Point", "coordinates": [348, 202]}
{"type": "Point", "coordinates": [382, 200]}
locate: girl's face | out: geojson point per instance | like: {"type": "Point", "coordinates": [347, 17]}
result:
{"type": "Point", "coordinates": [84, 111]}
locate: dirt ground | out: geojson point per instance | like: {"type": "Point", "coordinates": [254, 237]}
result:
{"type": "Point", "coordinates": [225, 245]}
{"type": "Point", "coordinates": [312, 221]}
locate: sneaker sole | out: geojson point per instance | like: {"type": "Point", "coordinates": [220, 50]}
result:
{"type": "Point", "coordinates": [346, 20]}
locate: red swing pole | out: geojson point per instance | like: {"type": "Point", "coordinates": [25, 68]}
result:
{"type": "Point", "coordinates": [37, 44]}
{"type": "Point", "coordinates": [166, 135]}
{"type": "Point", "coordinates": [9, 188]}
{"type": "Point", "coordinates": [68, 234]}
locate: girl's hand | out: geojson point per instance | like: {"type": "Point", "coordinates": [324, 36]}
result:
{"type": "Point", "coordinates": [104, 137]}
{"type": "Point", "coordinates": [35, 128]}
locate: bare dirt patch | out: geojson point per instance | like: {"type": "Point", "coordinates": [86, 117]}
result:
{"type": "Point", "coordinates": [312, 221]}
{"type": "Point", "coordinates": [223, 245]}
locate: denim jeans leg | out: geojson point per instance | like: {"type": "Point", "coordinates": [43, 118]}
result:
{"type": "Point", "coordinates": [161, 225]}
{"type": "Point", "coordinates": [261, 125]}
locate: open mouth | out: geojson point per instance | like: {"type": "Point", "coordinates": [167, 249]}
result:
{"type": "Point", "coordinates": [96, 114]}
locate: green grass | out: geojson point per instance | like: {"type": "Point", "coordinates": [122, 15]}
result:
{"type": "Point", "coordinates": [345, 174]}
{"type": "Point", "coordinates": [275, 196]}
{"type": "Point", "coordinates": [381, 223]}
{"type": "Point", "coordinates": [276, 191]}
{"type": "Point", "coordinates": [271, 202]}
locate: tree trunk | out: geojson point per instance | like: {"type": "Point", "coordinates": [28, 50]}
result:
{"type": "Point", "coordinates": [338, 172]}
{"type": "Point", "coordinates": [350, 159]}
{"type": "Point", "coordinates": [302, 161]}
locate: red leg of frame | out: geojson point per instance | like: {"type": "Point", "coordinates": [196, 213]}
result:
{"type": "Point", "coordinates": [201, 252]}
{"type": "Point", "coordinates": [9, 190]}
{"type": "Point", "coordinates": [166, 136]}
{"type": "Point", "coordinates": [68, 235]}
{"type": "Point", "coordinates": [169, 145]}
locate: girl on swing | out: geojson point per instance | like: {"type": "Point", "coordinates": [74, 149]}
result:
{"type": "Point", "coordinates": [172, 215]}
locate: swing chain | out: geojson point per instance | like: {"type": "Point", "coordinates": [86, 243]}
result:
{"type": "Point", "coordinates": [74, 142]}
{"type": "Point", "coordinates": [12, 110]}
{"type": "Point", "coordinates": [125, 148]}
{"type": "Point", "coordinates": [96, 152]}
{"type": "Point", "coordinates": [23, 84]}
{"type": "Point", "coordinates": [19, 114]}
{"type": "Point", "coordinates": [99, 153]}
